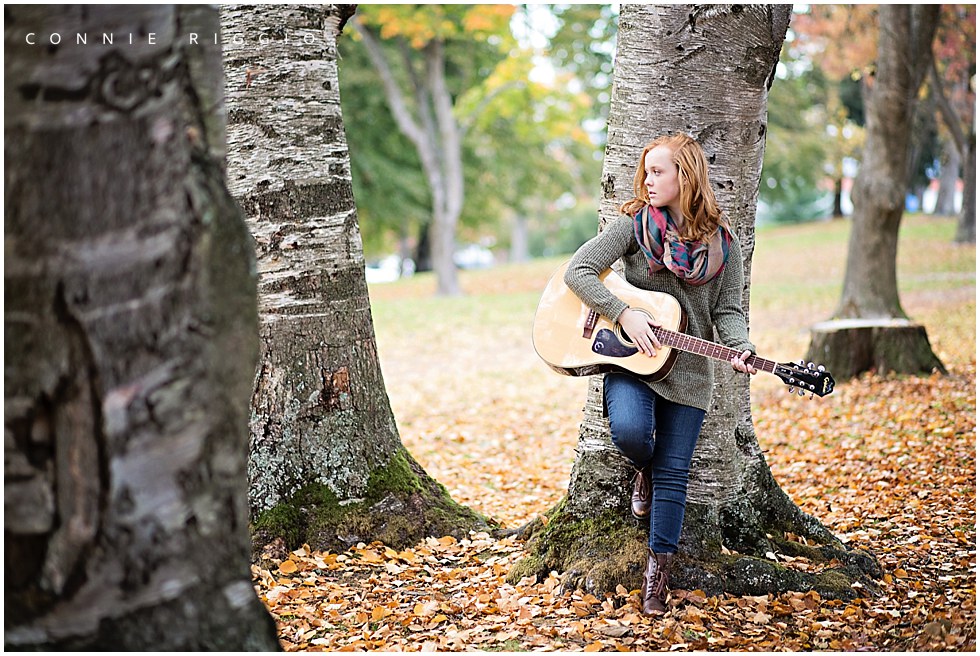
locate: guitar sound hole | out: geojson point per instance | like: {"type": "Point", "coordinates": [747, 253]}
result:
{"type": "Point", "coordinates": [621, 334]}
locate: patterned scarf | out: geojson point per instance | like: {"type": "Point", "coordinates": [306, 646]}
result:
{"type": "Point", "coordinates": [694, 262]}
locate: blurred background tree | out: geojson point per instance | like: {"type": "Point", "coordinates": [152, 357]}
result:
{"type": "Point", "coordinates": [953, 85]}
{"type": "Point", "coordinates": [426, 58]}
{"type": "Point", "coordinates": [530, 90]}
{"type": "Point", "coordinates": [839, 43]}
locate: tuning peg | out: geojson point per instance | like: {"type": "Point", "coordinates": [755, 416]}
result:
{"type": "Point", "coordinates": [790, 389]}
{"type": "Point", "coordinates": [802, 392]}
{"type": "Point", "coordinates": [821, 368]}
{"type": "Point", "coordinates": [811, 396]}
{"type": "Point", "coordinates": [810, 365]}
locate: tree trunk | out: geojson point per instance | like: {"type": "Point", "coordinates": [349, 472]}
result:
{"type": "Point", "coordinates": [870, 281]}
{"type": "Point", "coordinates": [966, 140]}
{"type": "Point", "coordinates": [326, 465]}
{"type": "Point", "coordinates": [130, 339]}
{"type": "Point", "coordinates": [851, 346]}
{"type": "Point", "coordinates": [966, 229]}
{"type": "Point", "coordinates": [423, 248]}
{"type": "Point", "coordinates": [667, 57]}
{"type": "Point", "coordinates": [948, 178]}
{"type": "Point", "coordinates": [437, 136]}
{"type": "Point", "coordinates": [838, 211]}
{"type": "Point", "coordinates": [519, 248]}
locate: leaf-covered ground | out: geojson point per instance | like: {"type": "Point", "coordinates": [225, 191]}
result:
{"type": "Point", "coordinates": [888, 463]}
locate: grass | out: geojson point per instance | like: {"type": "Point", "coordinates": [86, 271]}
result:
{"type": "Point", "coordinates": [804, 265]}
{"type": "Point", "coordinates": [797, 276]}
{"type": "Point", "coordinates": [463, 377]}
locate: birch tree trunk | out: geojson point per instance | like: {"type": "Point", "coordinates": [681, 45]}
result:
{"type": "Point", "coordinates": [870, 329]}
{"type": "Point", "coordinates": [130, 339]}
{"type": "Point", "coordinates": [705, 71]}
{"type": "Point", "coordinates": [326, 465]}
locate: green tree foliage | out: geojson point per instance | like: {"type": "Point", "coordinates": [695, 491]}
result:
{"type": "Point", "coordinates": [392, 196]}
{"type": "Point", "coordinates": [583, 45]}
{"type": "Point", "coordinates": [524, 144]}
{"type": "Point", "coordinates": [840, 41]}
{"type": "Point", "coordinates": [798, 156]}
{"type": "Point", "coordinates": [534, 151]}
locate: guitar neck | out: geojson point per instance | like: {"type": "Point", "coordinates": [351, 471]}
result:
{"type": "Point", "coordinates": [708, 349]}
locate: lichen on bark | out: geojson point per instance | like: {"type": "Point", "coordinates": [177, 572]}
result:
{"type": "Point", "coordinates": [592, 553]}
{"type": "Point", "coordinates": [598, 553]}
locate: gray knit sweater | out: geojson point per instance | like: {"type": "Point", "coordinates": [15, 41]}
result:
{"type": "Point", "coordinates": [717, 303]}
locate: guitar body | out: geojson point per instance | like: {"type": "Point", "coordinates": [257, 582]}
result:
{"type": "Point", "coordinates": [563, 340]}
{"type": "Point", "coordinates": [575, 341]}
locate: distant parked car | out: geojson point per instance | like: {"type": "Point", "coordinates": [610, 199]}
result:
{"type": "Point", "coordinates": [384, 270]}
{"type": "Point", "coordinates": [474, 256]}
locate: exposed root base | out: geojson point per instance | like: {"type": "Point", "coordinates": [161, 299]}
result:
{"type": "Point", "coordinates": [593, 554]}
{"type": "Point", "coordinates": [598, 554]}
{"type": "Point", "coordinates": [402, 506]}
{"type": "Point", "coordinates": [751, 575]}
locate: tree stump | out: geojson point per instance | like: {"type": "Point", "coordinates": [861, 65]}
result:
{"type": "Point", "coordinates": [848, 347]}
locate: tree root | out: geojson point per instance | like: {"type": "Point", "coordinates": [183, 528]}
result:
{"type": "Point", "coordinates": [402, 506]}
{"type": "Point", "coordinates": [597, 554]}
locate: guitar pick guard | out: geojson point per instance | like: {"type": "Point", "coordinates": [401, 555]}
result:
{"type": "Point", "coordinates": [606, 343]}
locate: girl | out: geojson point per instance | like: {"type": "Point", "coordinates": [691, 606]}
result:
{"type": "Point", "coordinates": [672, 238]}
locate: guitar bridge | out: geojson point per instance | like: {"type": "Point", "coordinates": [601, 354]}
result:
{"type": "Point", "coordinates": [590, 323]}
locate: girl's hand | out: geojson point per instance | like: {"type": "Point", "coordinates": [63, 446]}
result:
{"type": "Point", "coordinates": [739, 364]}
{"type": "Point", "coordinates": [639, 327]}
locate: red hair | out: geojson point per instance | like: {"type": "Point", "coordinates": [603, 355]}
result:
{"type": "Point", "coordinates": [698, 205]}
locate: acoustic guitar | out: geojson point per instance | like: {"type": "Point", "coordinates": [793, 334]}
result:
{"type": "Point", "coordinates": [574, 340]}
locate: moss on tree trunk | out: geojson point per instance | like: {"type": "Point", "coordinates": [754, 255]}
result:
{"type": "Point", "coordinates": [401, 506]}
{"type": "Point", "coordinates": [598, 553]}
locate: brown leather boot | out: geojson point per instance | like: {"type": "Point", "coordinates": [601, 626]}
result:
{"type": "Point", "coordinates": [655, 583]}
{"type": "Point", "coordinates": [642, 492]}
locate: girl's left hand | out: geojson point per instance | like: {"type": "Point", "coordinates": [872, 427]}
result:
{"type": "Point", "coordinates": [739, 364]}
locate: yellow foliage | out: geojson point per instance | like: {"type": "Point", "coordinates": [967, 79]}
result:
{"type": "Point", "coordinates": [421, 24]}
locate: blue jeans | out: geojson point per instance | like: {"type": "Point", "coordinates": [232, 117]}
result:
{"type": "Point", "coordinates": [650, 430]}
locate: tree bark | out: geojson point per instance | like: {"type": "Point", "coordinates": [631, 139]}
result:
{"type": "Point", "coordinates": [870, 280]}
{"type": "Point", "coordinates": [130, 341]}
{"type": "Point", "coordinates": [838, 211]}
{"type": "Point", "coordinates": [326, 465]}
{"type": "Point", "coordinates": [705, 71]}
{"type": "Point", "coordinates": [849, 347]}
{"type": "Point", "coordinates": [519, 238]}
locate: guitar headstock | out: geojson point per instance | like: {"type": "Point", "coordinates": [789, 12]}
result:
{"type": "Point", "coordinates": [805, 377]}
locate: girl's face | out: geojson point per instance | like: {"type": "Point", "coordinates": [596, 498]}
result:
{"type": "Point", "coordinates": [661, 177]}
